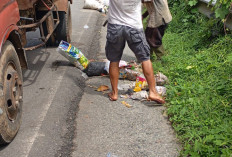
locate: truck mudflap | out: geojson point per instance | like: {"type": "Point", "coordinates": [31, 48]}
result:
{"type": "Point", "coordinates": [51, 24]}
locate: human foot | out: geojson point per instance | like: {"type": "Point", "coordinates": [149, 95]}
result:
{"type": "Point", "coordinates": [112, 96]}
{"type": "Point", "coordinates": [157, 98]}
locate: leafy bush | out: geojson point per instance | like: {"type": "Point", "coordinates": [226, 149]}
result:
{"type": "Point", "coordinates": [221, 7]}
{"type": "Point", "coordinates": [199, 66]}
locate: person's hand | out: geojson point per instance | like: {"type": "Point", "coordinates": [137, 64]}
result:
{"type": "Point", "coordinates": [146, 1]}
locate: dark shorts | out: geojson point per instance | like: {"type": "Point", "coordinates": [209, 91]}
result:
{"type": "Point", "coordinates": [154, 35]}
{"type": "Point", "coordinates": [118, 35]}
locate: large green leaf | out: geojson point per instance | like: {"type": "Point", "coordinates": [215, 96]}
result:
{"type": "Point", "coordinates": [221, 12]}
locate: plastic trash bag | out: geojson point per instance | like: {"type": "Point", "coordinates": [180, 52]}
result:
{"type": "Point", "coordinates": [121, 64]}
{"type": "Point", "coordinates": [141, 83]}
{"type": "Point", "coordinates": [125, 86]}
{"type": "Point", "coordinates": [128, 74]}
{"type": "Point", "coordinates": [161, 79]}
{"type": "Point", "coordinates": [104, 2]}
{"type": "Point", "coordinates": [161, 90]}
{"type": "Point", "coordinates": [92, 4]}
{"type": "Point", "coordinates": [73, 54]}
{"type": "Point", "coordinates": [139, 95]}
{"type": "Point", "coordinates": [95, 69]}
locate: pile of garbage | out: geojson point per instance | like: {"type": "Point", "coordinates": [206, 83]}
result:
{"type": "Point", "coordinates": [136, 89]}
{"type": "Point", "coordinates": [100, 5]}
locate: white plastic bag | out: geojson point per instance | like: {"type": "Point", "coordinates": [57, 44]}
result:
{"type": "Point", "coordinates": [161, 79]}
{"type": "Point", "coordinates": [121, 64]}
{"type": "Point", "coordinates": [161, 90]}
{"type": "Point", "coordinates": [92, 4]}
{"type": "Point", "coordinates": [104, 2]}
{"type": "Point", "coordinates": [139, 95]}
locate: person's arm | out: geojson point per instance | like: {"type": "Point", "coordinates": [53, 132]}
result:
{"type": "Point", "coordinates": [146, 13]}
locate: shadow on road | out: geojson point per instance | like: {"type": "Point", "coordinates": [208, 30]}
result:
{"type": "Point", "coordinates": [36, 60]}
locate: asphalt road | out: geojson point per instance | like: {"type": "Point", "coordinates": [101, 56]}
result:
{"type": "Point", "coordinates": [64, 116]}
{"type": "Point", "coordinates": [52, 91]}
{"type": "Point", "coordinates": [110, 129]}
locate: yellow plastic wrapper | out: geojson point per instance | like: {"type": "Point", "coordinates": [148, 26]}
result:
{"type": "Point", "coordinates": [141, 83]}
{"type": "Point", "coordinates": [73, 54]}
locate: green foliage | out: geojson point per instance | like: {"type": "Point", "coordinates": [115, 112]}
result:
{"type": "Point", "coordinates": [221, 12]}
{"type": "Point", "coordinates": [199, 67]}
{"type": "Point", "coordinates": [192, 2]}
{"type": "Point", "coordinates": [221, 7]}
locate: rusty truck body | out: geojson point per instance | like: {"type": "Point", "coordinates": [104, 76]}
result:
{"type": "Point", "coordinates": [17, 17]}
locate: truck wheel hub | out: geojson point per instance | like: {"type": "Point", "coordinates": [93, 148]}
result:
{"type": "Point", "coordinates": [13, 92]}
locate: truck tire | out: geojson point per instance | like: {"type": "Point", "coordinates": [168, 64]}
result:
{"type": "Point", "coordinates": [64, 29]}
{"type": "Point", "coordinates": [11, 93]}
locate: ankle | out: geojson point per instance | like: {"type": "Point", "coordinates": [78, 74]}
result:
{"type": "Point", "coordinates": [153, 92]}
{"type": "Point", "coordinates": [115, 92]}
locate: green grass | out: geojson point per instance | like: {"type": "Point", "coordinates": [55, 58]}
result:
{"type": "Point", "coordinates": [199, 67]}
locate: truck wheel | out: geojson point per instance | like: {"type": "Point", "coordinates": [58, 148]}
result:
{"type": "Point", "coordinates": [11, 93]}
{"type": "Point", "coordinates": [64, 29]}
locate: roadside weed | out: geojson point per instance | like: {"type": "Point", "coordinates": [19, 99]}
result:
{"type": "Point", "coordinates": [199, 67]}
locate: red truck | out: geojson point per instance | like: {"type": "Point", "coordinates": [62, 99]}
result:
{"type": "Point", "coordinates": [53, 19]}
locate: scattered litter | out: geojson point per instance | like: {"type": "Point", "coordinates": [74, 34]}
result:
{"type": "Point", "coordinates": [140, 83]}
{"type": "Point", "coordinates": [73, 54]}
{"type": "Point", "coordinates": [107, 66]}
{"type": "Point", "coordinates": [137, 89]}
{"type": "Point", "coordinates": [161, 90]}
{"type": "Point", "coordinates": [95, 69]}
{"type": "Point", "coordinates": [102, 88]}
{"type": "Point", "coordinates": [128, 74]}
{"type": "Point", "coordinates": [92, 4]}
{"type": "Point", "coordinates": [104, 9]}
{"type": "Point", "coordinates": [100, 5]}
{"type": "Point", "coordinates": [189, 67]}
{"type": "Point", "coordinates": [126, 104]}
{"type": "Point", "coordinates": [139, 95]}
{"type": "Point", "coordinates": [124, 96]}
{"type": "Point", "coordinates": [165, 114]}
{"type": "Point", "coordinates": [86, 26]}
{"type": "Point", "coordinates": [125, 87]}
{"type": "Point", "coordinates": [121, 64]}
{"type": "Point", "coordinates": [129, 92]}
{"type": "Point", "coordinates": [161, 79]}
{"type": "Point", "coordinates": [110, 155]}
{"type": "Point", "coordinates": [92, 86]}
{"type": "Point", "coordinates": [104, 2]}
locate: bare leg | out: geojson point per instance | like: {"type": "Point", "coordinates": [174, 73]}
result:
{"type": "Point", "coordinates": [149, 74]}
{"type": "Point", "coordinates": [114, 74]}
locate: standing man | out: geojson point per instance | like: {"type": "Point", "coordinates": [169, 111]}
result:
{"type": "Point", "coordinates": [159, 17]}
{"type": "Point", "coordinates": [125, 25]}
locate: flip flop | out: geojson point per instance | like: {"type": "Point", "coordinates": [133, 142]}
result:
{"type": "Point", "coordinates": [111, 99]}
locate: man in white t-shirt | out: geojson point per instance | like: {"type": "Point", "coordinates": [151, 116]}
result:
{"type": "Point", "coordinates": [125, 25]}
